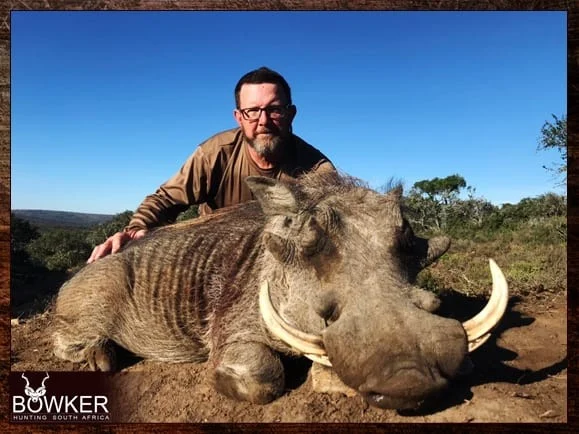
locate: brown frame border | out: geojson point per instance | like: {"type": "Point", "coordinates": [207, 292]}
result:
{"type": "Point", "coordinates": [572, 179]}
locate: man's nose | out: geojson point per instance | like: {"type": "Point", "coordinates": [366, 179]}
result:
{"type": "Point", "coordinates": [263, 117]}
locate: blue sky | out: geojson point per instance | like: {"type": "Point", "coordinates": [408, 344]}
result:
{"type": "Point", "coordinates": [105, 106]}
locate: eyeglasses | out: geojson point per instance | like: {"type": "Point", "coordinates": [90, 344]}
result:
{"type": "Point", "coordinates": [272, 111]}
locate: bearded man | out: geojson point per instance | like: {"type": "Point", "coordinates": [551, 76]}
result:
{"type": "Point", "coordinates": [213, 176]}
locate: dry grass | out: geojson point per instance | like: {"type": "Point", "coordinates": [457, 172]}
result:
{"type": "Point", "coordinates": [533, 258]}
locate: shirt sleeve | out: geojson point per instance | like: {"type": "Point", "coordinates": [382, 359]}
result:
{"type": "Point", "coordinates": [310, 158]}
{"type": "Point", "coordinates": [189, 186]}
{"type": "Point", "coordinates": [324, 165]}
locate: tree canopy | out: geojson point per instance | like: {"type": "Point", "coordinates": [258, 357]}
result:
{"type": "Point", "coordinates": [441, 188]}
{"type": "Point", "coordinates": [554, 136]}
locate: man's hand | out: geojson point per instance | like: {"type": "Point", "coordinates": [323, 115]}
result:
{"type": "Point", "coordinates": [114, 243]}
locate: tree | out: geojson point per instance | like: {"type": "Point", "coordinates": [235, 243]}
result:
{"type": "Point", "coordinates": [472, 212]}
{"type": "Point", "coordinates": [101, 232]}
{"type": "Point", "coordinates": [421, 212]}
{"type": "Point", "coordinates": [189, 213]}
{"type": "Point", "coordinates": [21, 233]}
{"type": "Point", "coordinates": [543, 206]}
{"type": "Point", "coordinates": [60, 249]}
{"type": "Point", "coordinates": [551, 205]}
{"type": "Point", "coordinates": [429, 200]}
{"type": "Point", "coordinates": [443, 190]}
{"type": "Point", "coordinates": [554, 136]}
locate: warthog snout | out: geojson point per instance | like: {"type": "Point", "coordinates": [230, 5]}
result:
{"type": "Point", "coordinates": [391, 363]}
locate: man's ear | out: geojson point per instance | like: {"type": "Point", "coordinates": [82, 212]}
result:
{"type": "Point", "coordinates": [293, 111]}
{"type": "Point", "coordinates": [275, 197]}
{"type": "Point", "coordinates": [237, 116]}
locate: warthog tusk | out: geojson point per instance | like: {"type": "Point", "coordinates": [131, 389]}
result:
{"type": "Point", "coordinates": [479, 327]}
{"type": "Point", "coordinates": [311, 346]}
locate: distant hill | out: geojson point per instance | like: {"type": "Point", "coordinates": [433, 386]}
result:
{"type": "Point", "coordinates": [61, 219]}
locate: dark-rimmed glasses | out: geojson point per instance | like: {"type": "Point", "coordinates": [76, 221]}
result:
{"type": "Point", "coordinates": [272, 111]}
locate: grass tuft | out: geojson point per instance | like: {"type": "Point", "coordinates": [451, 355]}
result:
{"type": "Point", "coordinates": [532, 256]}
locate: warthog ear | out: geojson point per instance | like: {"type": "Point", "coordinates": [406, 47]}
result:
{"type": "Point", "coordinates": [395, 193]}
{"type": "Point", "coordinates": [275, 197]}
{"type": "Point", "coordinates": [429, 250]}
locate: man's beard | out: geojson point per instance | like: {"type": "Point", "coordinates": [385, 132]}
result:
{"type": "Point", "coordinates": [269, 146]}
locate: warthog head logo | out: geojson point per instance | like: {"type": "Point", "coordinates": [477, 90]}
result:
{"type": "Point", "coordinates": [35, 395]}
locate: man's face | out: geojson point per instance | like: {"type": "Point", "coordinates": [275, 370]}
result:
{"type": "Point", "coordinates": [267, 132]}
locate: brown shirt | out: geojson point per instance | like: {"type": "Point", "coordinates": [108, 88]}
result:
{"type": "Point", "coordinates": [213, 176]}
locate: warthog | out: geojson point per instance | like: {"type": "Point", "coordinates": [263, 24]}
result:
{"type": "Point", "coordinates": [323, 267]}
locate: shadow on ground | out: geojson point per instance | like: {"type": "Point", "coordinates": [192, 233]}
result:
{"type": "Point", "coordinates": [489, 361]}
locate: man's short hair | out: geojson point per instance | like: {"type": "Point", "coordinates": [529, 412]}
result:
{"type": "Point", "coordinates": [263, 75]}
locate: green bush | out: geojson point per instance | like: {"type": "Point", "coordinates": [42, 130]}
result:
{"type": "Point", "coordinates": [22, 233]}
{"type": "Point", "coordinates": [60, 249]}
{"type": "Point", "coordinates": [100, 233]}
{"type": "Point", "coordinates": [189, 213]}
{"type": "Point", "coordinates": [532, 255]}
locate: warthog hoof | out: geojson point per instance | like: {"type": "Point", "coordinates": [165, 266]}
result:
{"type": "Point", "coordinates": [102, 358]}
{"type": "Point", "coordinates": [250, 372]}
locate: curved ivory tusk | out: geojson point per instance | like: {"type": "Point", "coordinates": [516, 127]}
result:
{"type": "Point", "coordinates": [322, 360]}
{"type": "Point", "coordinates": [479, 327]}
{"type": "Point", "coordinates": [311, 346]}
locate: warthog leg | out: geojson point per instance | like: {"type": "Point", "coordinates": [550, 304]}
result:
{"type": "Point", "coordinates": [250, 372]}
{"type": "Point", "coordinates": [96, 351]}
{"type": "Point", "coordinates": [87, 311]}
{"type": "Point", "coordinates": [102, 358]}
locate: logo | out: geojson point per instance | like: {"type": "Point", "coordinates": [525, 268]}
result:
{"type": "Point", "coordinates": [42, 404]}
{"type": "Point", "coordinates": [35, 395]}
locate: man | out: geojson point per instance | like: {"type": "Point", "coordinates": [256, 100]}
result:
{"type": "Point", "coordinates": [214, 174]}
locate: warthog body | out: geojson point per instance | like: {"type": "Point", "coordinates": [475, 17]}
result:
{"type": "Point", "coordinates": [340, 261]}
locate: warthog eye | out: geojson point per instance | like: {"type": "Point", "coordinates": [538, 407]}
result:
{"type": "Point", "coordinates": [329, 219]}
{"type": "Point", "coordinates": [282, 249]}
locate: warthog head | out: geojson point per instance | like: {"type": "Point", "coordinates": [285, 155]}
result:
{"type": "Point", "coordinates": [338, 287]}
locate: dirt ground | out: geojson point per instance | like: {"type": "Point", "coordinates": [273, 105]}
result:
{"type": "Point", "coordinates": [519, 376]}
